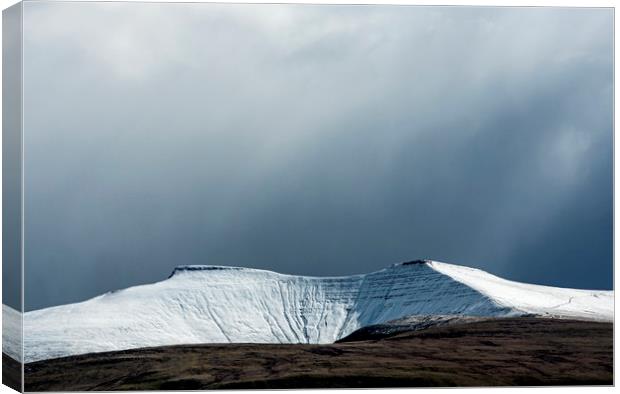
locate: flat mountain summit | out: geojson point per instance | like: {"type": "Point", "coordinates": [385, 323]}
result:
{"type": "Point", "coordinates": [219, 304]}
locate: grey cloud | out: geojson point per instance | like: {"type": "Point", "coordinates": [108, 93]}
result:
{"type": "Point", "coordinates": [320, 140]}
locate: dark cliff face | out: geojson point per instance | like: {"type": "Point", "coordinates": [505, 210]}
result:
{"type": "Point", "coordinates": [414, 262]}
{"type": "Point", "coordinates": [194, 268]}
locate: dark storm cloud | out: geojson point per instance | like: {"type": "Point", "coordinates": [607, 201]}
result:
{"type": "Point", "coordinates": [318, 140]}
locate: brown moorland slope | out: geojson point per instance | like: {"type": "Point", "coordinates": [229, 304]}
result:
{"type": "Point", "coordinates": [498, 352]}
{"type": "Point", "coordinates": [11, 373]}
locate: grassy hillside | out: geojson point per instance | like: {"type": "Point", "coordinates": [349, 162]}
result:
{"type": "Point", "coordinates": [500, 352]}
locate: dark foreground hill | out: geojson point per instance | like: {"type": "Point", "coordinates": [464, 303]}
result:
{"type": "Point", "coordinates": [499, 352]}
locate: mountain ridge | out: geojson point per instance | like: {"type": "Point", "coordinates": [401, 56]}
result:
{"type": "Point", "coordinates": [221, 304]}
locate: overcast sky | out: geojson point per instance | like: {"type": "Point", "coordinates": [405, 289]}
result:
{"type": "Point", "coordinates": [319, 140]}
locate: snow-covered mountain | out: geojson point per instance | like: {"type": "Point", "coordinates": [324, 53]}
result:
{"type": "Point", "coordinates": [217, 304]}
{"type": "Point", "coordinates": [11, 332]}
